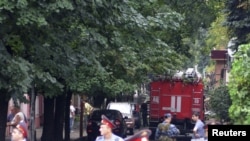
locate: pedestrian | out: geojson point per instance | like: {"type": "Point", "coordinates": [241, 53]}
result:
{"type": "Point", "coordinates": [11, 114]}
{"type": "Point", "coordinates": [106, 131]}
{"type": "Point", "coordinates": [20, 133]}
{"type": "Point", "coordinates": [71, 116]}
{"type": "Point", "coordinates": [18, 118]}
{"type": "Point", "coordinates": [198, 130]}
{"type": "Point", "coordinates": [10, 117]}
{"type": "Point", "coordinates": [166, 131]}
{"type": "Point", "coordinates": [144, 112]}
{"type": "Point", "coordinates": [88, 109]}
{"type": "Point", "coordinates": [142, 135]}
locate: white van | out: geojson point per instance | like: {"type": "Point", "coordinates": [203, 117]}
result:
{"type": "Point", "coordinates": [126, 109]}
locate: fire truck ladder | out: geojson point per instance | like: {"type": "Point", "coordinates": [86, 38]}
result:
{"type": "Point", "coordinates": [155, 107]}
{"type": "Point", "coordinates": [154, 113]}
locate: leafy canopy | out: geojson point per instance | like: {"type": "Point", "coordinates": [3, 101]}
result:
{"type": "Point", "coordinates": [239, 86]}
{"type": "Point", "coordinates": [220, 102]}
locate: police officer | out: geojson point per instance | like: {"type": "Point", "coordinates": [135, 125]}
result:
{"type": "Point", "coordinates": [106, 131]}
{"type": "Point", "coordinates": [166, 131]}
{"type": "Point", "coordinates": [142, 135]}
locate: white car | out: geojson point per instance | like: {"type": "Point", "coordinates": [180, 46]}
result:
{"type": "Point", "coordinates": [126, 109]}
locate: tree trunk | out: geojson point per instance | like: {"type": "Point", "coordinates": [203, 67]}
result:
{"type": "Point", "coordinates": [67, 111]}
{"type": "Point", "coordinates": [98, 99]}
{"type": "Point", "coordinates": [3, 114]}
{"type": "Point", "coordinates": [48, 127]}
{"type": "Point", "coordinates": [59, 117]}
{"type": "Point", "coordinates": [32, 130]}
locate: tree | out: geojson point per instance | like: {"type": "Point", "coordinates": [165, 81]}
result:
{"type": "Point", "coordinates": [237, 21]}
{"type": "Point", "coordinates": [14, 78]}
{"type": "Point", "coordinates": [87, 46]}
{"type": "Point", "coordinates": [23, 48]}
{"type": "Point", "coordinates": [91, 39]}
{"type": "Point", "coordinates": [239, 86]}
{"type": "Point", "coordinates": [193, 29]}
{"type": "Point", "coordinates": [220, 102]}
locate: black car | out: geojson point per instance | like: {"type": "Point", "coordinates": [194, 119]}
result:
{"type": "Point", "coordinates": [126, 109]}
{"type": "Point", "coordinates": [113, 115]}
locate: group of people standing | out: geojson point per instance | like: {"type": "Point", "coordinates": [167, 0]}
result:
{"type": "Point", "coordinates": [88, 108]}
{"type": "Point", "coordinates": [166, 131]}
{"type": "Point", "coordinates": [106, 126]}
{"type": "Point", "coordinates": [17, 121]}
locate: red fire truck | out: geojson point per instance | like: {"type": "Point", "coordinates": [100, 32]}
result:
{"type": "Point", "coordinates": [181, 96]}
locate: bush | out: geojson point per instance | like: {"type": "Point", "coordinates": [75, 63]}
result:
{"type": "Point", "coordinates": [220, 102]}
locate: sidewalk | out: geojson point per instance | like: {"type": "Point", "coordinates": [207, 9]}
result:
{"type": "Point", "coordinates": [74, 136]}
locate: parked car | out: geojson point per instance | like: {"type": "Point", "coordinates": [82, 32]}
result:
{"type": "Point", "coordinates": [126, 109]}
{"type": "Point", "coordinates": [94, 123]}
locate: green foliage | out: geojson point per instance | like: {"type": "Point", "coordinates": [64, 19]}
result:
{"type": "Point", "coordinates": [217, 35]}
{"type": "Point", "coordinates": [220, 102]}
{"type": "Point", "coordinates": [238, 20]}
{"type": "Point", "coordinates": [26, 30]}
{"type": "Point", "coordinates": [15, 76]}
{"type": "Point", "coordinates": [120, 41]}
{"type": "Point", "coordinates": [123, 39]}
{"type": "Point", "coordinates": [129, 42]}
{"type": "Point", "coordinates": [193, 29]}
{"type": "Point", "coordinates": [89, 46]}
{"type": "Point", "coordinates": [239, 86]}
{"type": "Point", "coordinates": [15, 44]}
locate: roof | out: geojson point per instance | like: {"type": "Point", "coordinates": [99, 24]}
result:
{"type": "Point", "coordinates": [219, 54]}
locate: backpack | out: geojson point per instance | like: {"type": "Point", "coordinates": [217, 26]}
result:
{"type": "Point", "coordinates": [165, 138]}
{"type": "Point", "coordinates": [163, 127]}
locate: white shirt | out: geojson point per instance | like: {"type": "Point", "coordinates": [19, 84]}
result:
{"type": "Point", "coordinates": [72, 111]}
{"type": "Point", "coordinates": [20, 114]}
